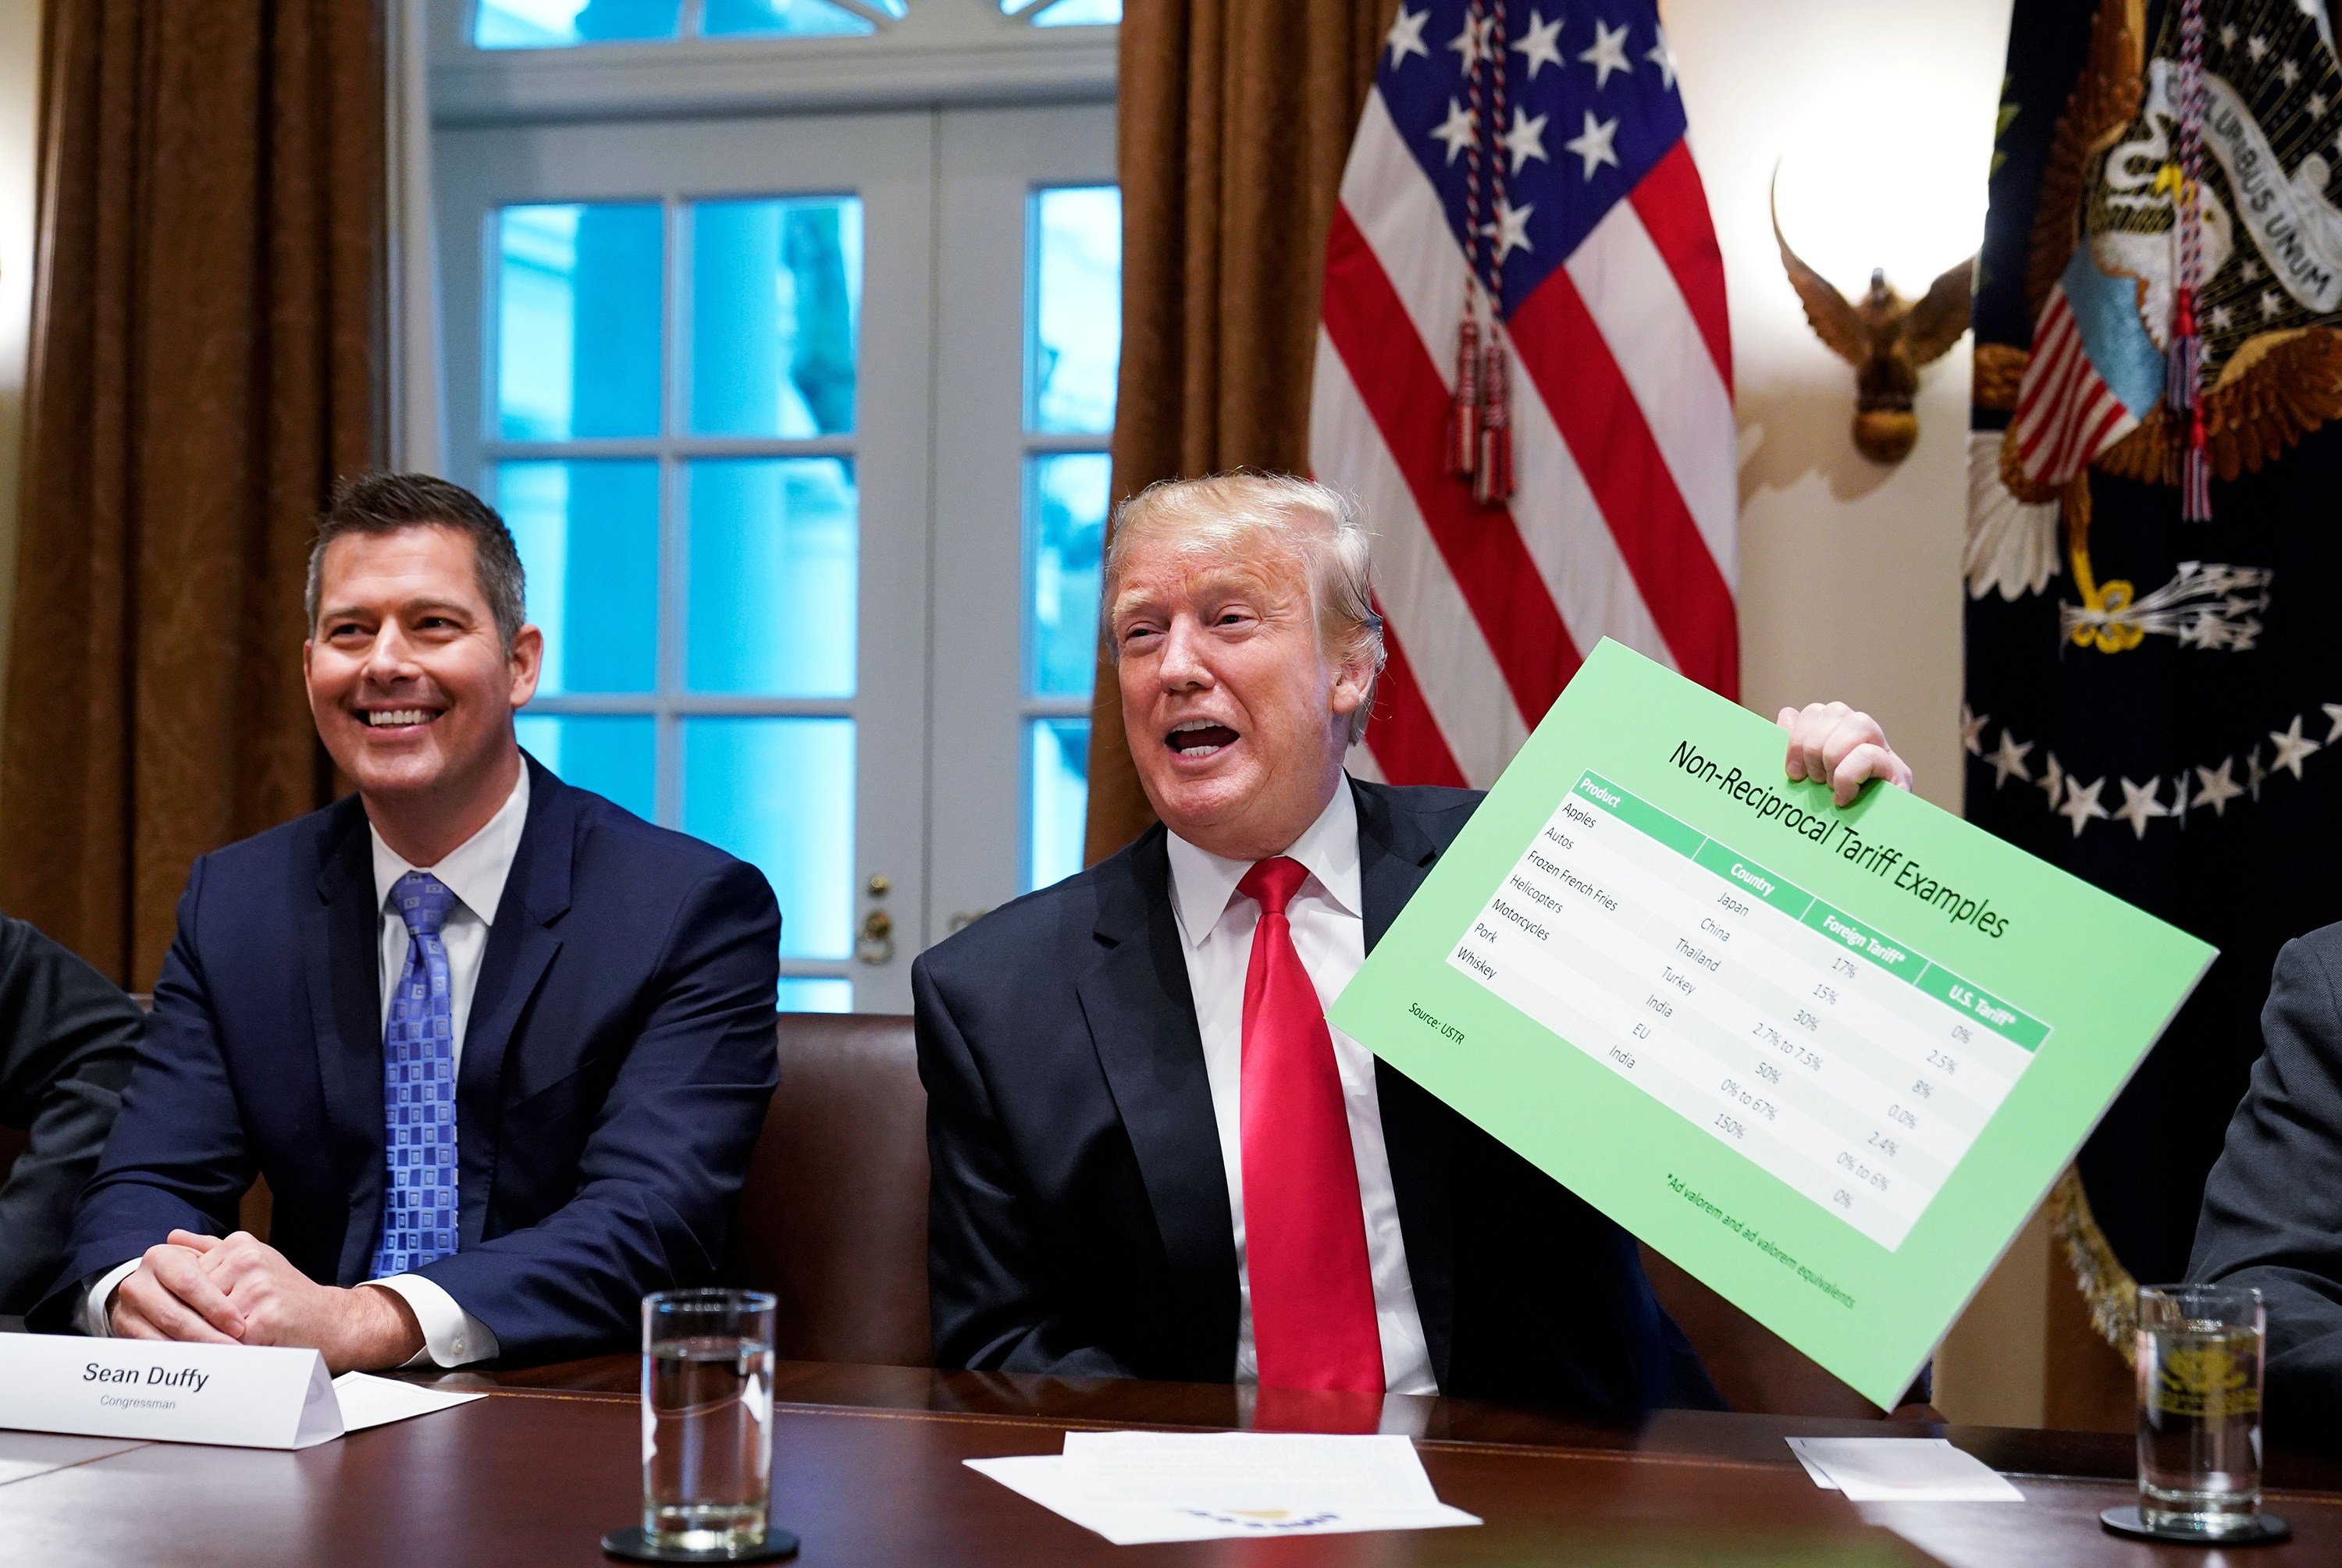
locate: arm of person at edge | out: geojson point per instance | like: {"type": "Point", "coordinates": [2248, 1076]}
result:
{"type": "Point", "coordinates": [2272, 1216]}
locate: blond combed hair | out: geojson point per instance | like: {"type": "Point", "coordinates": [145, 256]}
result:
{"type": "Point", "coordinates": [1244, 516]}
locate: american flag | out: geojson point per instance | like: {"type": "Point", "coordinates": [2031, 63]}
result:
{"type": "Point", "coordinates": [1540, 148]}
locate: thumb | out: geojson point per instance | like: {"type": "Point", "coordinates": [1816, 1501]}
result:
{"type": "Point", "coordinates": [190, 1240]}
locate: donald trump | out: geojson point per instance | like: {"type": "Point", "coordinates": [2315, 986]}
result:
{"type": "Point", "coordinates": [1151, 1157]}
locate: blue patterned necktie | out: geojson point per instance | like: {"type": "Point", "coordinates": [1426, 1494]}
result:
{"type": "Point", "coordinates": [418, 1089]}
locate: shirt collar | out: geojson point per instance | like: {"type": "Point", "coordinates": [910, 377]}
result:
{"type": "Point", "coordinates": [1202, 883]}
{"type": "Point", "coordinates": [473, 871]}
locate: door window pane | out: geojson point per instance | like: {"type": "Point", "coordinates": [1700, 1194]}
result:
{"type": "Point", "coordinates": [1065, 535]}
{"type": "Point", "coordinates": [776, 295]}
{"type": "Point", "coordinates": [1056, 799]}
{"type": "Point", "coordinates": [783, 18]}
{"type": "Point", "coordinates": [816, 993]}
{"type": "Point", "coordinates": [1071, 12]}
{"type": "Point", "coordinates": [774, 575]}
{"type": "Point", "coordinates": [1074, 348]}
{"type": "Point", "coordinates": [614, 757]}
{"type": "Point", "coordinates": [588, 539]}
{"type": "Point", "coordinates": [779, 794]}
{"type": "Point", "coordinates": [577, 320]}
{"type": "Point", "coordinates": [554, 23]}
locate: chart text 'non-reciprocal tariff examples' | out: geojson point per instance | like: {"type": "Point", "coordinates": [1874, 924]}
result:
{"type": "Point", "coordinates": [1833, 1056]}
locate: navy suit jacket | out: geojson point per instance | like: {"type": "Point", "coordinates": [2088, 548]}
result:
{"type": "Point", "coordinates": [1078, 1220]}
{"type": "Point", "coordinates": [2273, 1204]}
{"type": "Point", "coordinates": [617, 1066]}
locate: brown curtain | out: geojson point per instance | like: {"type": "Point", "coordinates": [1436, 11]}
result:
{"type": "Point", "coordinates": [1236, 119]}
{"type": "Point", "coordinates": [205, 321]}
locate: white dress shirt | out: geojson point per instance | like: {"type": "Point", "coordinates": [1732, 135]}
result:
{"type": "Point", "coordinates": [474, 872]}
{"type": "Point", "coordinates": [1329, 920]}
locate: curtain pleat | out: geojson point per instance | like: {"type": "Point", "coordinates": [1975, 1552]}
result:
{"type": "Point", "coordinates": [207, 319]}
{"type": "Point", "coordinates": [1235, 117]}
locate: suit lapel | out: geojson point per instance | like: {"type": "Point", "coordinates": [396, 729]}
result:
{"type": "Point", "coordinates": [520, 948]}
{"type": "Point", "coordinates": [1418, 1131]}
{"type": "Point", "coordinates": [341, 953]}
{"type": "Point", "coordinates": [1142, 1019]}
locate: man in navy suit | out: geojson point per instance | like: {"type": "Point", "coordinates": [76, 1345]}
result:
{"type": "Point", "coordinates": [500, 1048]}
{"type": "Point", "coordinates": [1151, 1157]}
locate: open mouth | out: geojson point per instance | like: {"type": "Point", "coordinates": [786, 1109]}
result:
{"type": "Point", "coordinates": [397, 718]}
{"type": "Point", "coordinates": [1199, 738]}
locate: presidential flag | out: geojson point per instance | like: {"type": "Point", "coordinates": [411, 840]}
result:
{"type": "Point", "coordinates": [1525, 371]}
{"type": "Point", "coordinates": [2154, 669]}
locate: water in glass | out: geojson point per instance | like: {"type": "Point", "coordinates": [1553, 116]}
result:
{"type": "Point", "coordinates": [2199, 1415]}
{"type": "Point", "coordinates": [708, 1444]}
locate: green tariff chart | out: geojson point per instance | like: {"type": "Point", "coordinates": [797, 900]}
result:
{"type": "Point", "coordinates": [1838, 1058]}
{"type": "Point", "coordinates": [1827, 1060]}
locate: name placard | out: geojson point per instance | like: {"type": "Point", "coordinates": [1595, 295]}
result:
{"type": "Point", "coordinates": [242, 1396]}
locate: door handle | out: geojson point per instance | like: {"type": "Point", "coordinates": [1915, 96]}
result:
{"type": "Point", "coordinates": [876, 941]}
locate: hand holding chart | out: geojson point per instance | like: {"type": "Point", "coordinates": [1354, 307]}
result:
{"type": "Point", "coordinates": [1827, 1059]}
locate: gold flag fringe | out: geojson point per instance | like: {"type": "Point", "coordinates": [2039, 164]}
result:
{"type": "Point", "coordinates": [2106, 1286]}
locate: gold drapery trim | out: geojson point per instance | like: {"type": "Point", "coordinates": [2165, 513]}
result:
{"type": "Point", "coordinates": [2106, 1286]}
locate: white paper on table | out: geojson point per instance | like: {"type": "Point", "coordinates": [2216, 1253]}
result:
{"type": "Point", "coordinates": [1137, 1487]}
{"type": "Point", "coordinates": [1903, 1470]}
{"type": "Point", "coordinates": [378, 1401]}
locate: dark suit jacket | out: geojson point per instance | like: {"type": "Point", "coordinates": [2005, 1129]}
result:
{"type": "Point", "coordinates": [617, 1066]}
{"type": "Point", "coordinates": [67, 1039]}
{"type": "Point", "coordinates": [1079, 1214]}
{"type": "Point", "coordinates": [2273, 1204]}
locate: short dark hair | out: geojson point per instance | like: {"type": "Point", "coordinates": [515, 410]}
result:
{"type": "Point", "coordinates": [386, 503]}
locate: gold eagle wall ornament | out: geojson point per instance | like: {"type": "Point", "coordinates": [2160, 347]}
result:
{"type": "Point", "coordinates": [1887, 338]}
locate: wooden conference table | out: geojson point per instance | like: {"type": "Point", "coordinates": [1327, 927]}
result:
{"type": "Point", "coordinates": [867, 1471]}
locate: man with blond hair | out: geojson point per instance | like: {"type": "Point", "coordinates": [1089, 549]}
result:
{"type": "Point", "coordinates": [1151, 1157]}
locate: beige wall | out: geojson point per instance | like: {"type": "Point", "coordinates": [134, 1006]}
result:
{"type": "Point", "coordinates": [1850, 577]}
{"type": "Point", "coordinates": [20, 36]}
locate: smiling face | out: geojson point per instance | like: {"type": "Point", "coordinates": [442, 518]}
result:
{"type": "Point", "coordinates": [1235, 717]}
{"type": "Point", "coordinates": [411, 686]}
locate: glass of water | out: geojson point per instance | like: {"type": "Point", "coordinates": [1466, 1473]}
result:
{"type": "Point", "coordinates": [707, 1419]}
{"type": "Point", "coordinates": [2199, 1357]}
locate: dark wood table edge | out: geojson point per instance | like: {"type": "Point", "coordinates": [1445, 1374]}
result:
{"type": "Point", "coordinates": [2025, 1456]}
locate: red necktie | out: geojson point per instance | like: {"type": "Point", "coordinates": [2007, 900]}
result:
{"type": "Point", "coordinates": [1313, 1297]}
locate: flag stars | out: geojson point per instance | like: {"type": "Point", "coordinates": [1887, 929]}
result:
{"type": "Point", "coordinates": [1525, 140]}
{"type": "Point", "coordinates": [2008, 761]}
{"type": "Point", "coordinates": [2250, 270]}
{"type": "Point", "coordinates": [1511, 229]}
{"type": "Point", "coordinates": [2333, 722]}
{"type": "Point", "coordinates": [2288, 73]}
{"type": "Point", "coordinates": [1458, 132]}
{"type": "Point", "coordinates": [1541, 46]}
{"type": "Point", "coordinates": [2141, 804]}
{"type": "Point", "coordinates": [1972, 731]}
{"type": "Point", "coordinates": [2052, 782]}
{"type": "Point", "coordinates": [2272, 305]}
{"type": "Point", "coordinates": [2292, 748]}
{"type": "Point", "coordinates": [2227, 34]}
{"type": "Point", "coordinates": [2215, 787]}
{"type": "Point", "coordinates": [1593, 143]}
{"type": "Point", "coordinates": [1476, 42]}
{"type": "Point", "coordinates": [2316, 105]}
{"type": "Point", "coordinates": [1405, 35]}
{"type": "Point", "coordinates": [1606, 54]}
{"type": "Point", "coordinates": [2220, 318]}
{"type": "Point", "coordinates": [2257, 48]}
{"type": "Point", "coordinates": [1662, 56]}
{"type": "Point", "coordinates": [2082, 807]}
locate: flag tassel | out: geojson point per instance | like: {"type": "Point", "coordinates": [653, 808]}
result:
{"type": "Point", "coordinates": [2186, 377]}
{"type": "Point", "coordinates": [1492, 481]}
{"type": "Point", "coordinates": [1464, 408]}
